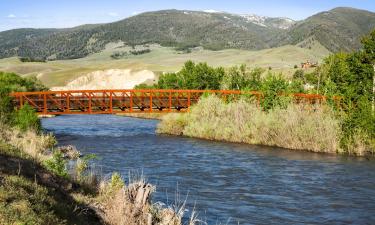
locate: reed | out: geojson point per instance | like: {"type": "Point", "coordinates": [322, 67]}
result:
{"type": "Point", "coordinates": [296, 127]}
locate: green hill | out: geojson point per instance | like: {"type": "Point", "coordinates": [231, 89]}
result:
{"type": "Point", "coordinates": [338, 29]}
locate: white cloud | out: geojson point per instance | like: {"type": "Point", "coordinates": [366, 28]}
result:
{"type": "Point", "coordinates": [135, 13]}
{"type": "Point", "coordinates": [11, 16]}
{"type": "Point", "coordinates": [113, 14]}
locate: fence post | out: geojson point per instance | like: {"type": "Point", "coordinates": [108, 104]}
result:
{"type": "Point", "coordinates": [45, 103]}
{"type": "Point", "coordinates": [189, 93]}
{"type": "Point", "coordinates": [170, 101]}
{"type": "Point", "coordinates": [110, 102]}
{"type": "Point", "coordinates": [131, 101]}
{"type": "Point", "coordinates": [151, 92]}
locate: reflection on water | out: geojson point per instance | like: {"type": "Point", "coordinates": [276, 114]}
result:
{"type": "Point", "coordinates": [229, 183]}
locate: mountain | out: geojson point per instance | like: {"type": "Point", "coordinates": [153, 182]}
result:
{"type": "Point", "coordinates": [337, 29]}
{"type": "Point", "coordinates": [12, 40]}
{"type": "Point", "coordinates": [277, 22]}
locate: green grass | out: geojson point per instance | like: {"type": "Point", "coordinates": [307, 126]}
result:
{"type": "Point", "coordinates": [164, 59]}
{"type": "Point", "coordinates": [25, 202]}
{"type": "Point", "coordinates": [31, 195]}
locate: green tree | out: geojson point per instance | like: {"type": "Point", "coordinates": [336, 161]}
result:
{"type": "Point", "coordinates": [351, 76]}
{"type": "Point", "coordinates": [369, 50]}
{"type": "Point", "coordinates": [275, 89]}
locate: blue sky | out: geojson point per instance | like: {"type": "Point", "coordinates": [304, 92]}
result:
{"type": "Point", "coordinates": [69, 13]}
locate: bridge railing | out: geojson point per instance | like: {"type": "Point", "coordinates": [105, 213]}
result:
{"type": "Point", "coordinates": [130, 101]}
{"type": "Point", "coordinates": [114, 101]}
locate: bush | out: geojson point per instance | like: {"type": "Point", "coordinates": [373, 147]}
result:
{"type": "Point", "coordinates": [12, 82]}
{"type": "Point", "coordinates": [26, 119]}
{"type": "Point", "coordinates": [299, 74]}
{"type": "Point", "coordinates": [6, 106]}
{"type": "Point", "coordinates": [275, 89]}
{"type": "Point", "coordinates": [82, 165]}
{"type": "Point", "coordinates": [293, 127]}
{"type": "Point", "coordinates": [57, 164]}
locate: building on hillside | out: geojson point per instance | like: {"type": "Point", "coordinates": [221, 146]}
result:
{"type": "Point", "coordinates": [308, 64]}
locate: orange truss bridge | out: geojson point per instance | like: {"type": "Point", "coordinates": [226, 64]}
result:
{"type": "Point", "coordinates": [129, 101]}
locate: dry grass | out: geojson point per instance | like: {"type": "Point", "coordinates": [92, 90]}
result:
{"type": "Point", "coordinates": [295, 127]}
{"type": "Point", "coordinates": [131, 204]}
{"type": "Point", "coordinates": [29, 142]}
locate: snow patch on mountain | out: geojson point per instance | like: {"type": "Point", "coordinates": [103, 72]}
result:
{"type": "Point", "coordinates": [211, 11]}
{"type": "Point", "coordinates": [264, 21]}
{"type": "Point", "coordinates": [258, 20]}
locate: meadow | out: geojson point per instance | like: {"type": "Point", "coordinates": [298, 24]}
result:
{"type": "Point", "coordinates": [163, 59]}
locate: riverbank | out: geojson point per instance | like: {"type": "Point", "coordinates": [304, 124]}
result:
{"type": "Point", "coordinates": [30, 193]}
{"type": "Point", "coordinates": [297, 127]}
{"type": "Point", "coordinates": [151, 116]}
{"type": "Point", "coordinates": [37, 186]}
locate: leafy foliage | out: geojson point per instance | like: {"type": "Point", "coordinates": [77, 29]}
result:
{"type": "Point", "coordinates": [26, 118]}
{"type": "Point", "coordinates": [193, 76]}
{"type": "Point", "coordinates": [57, 164]}
{"type": "Point", "coordinates": [274, 89]}
{"type": "Point", "coordinates": [10, 82]}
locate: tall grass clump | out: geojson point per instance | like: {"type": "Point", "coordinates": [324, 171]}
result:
{"type": "Point", "coordinates": [27, 142]}
{"type": "Point", "coordinates": [131, 204]}
{"type": "Point", "coordinates": [293, 127]}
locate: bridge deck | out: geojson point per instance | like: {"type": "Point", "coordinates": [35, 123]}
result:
{"type": "Point", "coordinates": [127, 101]}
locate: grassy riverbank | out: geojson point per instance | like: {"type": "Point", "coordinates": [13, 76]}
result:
{"type": "Point", "coordinates": [30, 194]}
{"type": "Point", "coordinates": [295, 127]}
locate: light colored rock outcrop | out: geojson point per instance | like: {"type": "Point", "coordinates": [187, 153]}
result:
{"type": "Point", "coordinates": [109, 79]}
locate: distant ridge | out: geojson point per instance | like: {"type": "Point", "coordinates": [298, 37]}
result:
{"type": "Point", "coordinates": [339, 29]}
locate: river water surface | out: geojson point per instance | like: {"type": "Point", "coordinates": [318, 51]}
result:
{"type": "Point", "coordinates": [228, 183]}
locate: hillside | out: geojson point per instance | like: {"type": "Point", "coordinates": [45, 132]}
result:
{"type": "Point", "coordinates": [338, 29]}
{"type": "Point", "coordinates": [162, 59]}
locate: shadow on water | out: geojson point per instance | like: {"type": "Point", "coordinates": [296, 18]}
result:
{"type": "Point", "coordinates": [240, 183]}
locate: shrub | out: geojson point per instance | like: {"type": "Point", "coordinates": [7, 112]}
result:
{"type": "Point", "coordinates": [275, 89]}
{"type": "Point", "coordinates": [299, 74]}
{"type": "Point", "coordinates": [173, 123]}
{"type": "Point", "coordinates": [82, 165]}
{"type": "Point", "coordinates": [26, 119]}
{"type": "Point", "coordinates": [295, 127]}
{"type": "Point", "coordinates": [57, 164]}
{"type": "Point", "coordinates": [6, 106]}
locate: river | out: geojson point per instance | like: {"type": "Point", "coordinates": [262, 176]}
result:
{"type": "Point", "coordinates": [228, 183]}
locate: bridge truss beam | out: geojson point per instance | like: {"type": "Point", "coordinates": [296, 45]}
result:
{"type": "Point", "coordinates": [130, 101]}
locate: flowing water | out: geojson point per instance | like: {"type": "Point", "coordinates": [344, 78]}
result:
{"type": "Point", "coordinates": [228, 183]}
